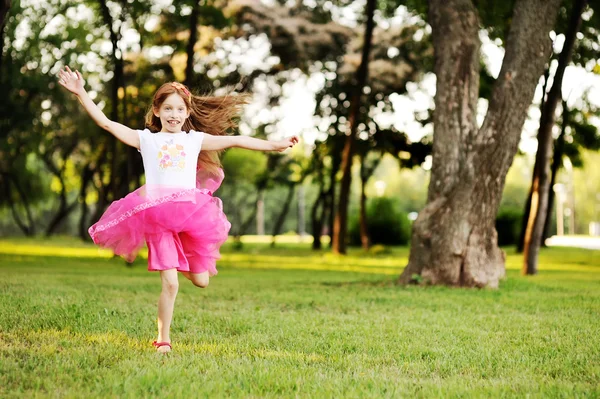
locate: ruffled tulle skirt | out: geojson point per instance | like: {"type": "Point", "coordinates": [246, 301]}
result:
{"type": "Point", "coordinates": [148, 213]}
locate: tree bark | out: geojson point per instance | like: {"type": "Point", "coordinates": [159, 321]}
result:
{"type": "Point", "coordinates": [541, 182]}
{"type": "Point", "coordinates": [454, 240]}
{"type": "Point", "coordinates": [340, 225]}
{"type": "Point", "coordinates": [189, 64]}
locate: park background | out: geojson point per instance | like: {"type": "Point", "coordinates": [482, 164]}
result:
{"type": "Point", "coordinates": [290, 314]}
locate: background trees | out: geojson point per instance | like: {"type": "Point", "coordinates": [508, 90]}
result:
{"type": "Point", "coordinates": [58, 171]}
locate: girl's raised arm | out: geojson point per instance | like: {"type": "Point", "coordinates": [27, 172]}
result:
{"type": "Point", "coordinates": [215, 143]}
{"type": "Point", "coordinates": [73, 81]}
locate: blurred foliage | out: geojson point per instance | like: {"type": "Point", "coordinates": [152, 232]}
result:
{"type": "Point", "coordinates": [47, 143]}
{"type": "Point", "coordinates": [508, 225]}
{"type": "Point", "coordinates": [386, 223]}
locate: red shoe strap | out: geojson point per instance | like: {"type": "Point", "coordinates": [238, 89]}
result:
{"type": "Point", "coordinates": [159, 344]}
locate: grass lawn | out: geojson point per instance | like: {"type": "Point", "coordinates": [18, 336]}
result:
{"type": "Point", "coordinates": [287, 322]}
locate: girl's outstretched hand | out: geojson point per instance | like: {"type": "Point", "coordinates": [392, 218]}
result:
{"type": "Point", "coordinates": [286, 143]}
{"type": "Point", "coordinates": [72, 81]}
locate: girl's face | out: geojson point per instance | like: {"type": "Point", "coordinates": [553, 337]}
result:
{"type": "Point", "coordinates": [172, 113]}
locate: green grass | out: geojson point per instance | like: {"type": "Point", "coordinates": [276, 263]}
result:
{"type": "Point", "coordinates": [285, 322]}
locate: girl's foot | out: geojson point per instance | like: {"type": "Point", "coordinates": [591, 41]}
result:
{"type": "Point", "coordinates": [162, 347]}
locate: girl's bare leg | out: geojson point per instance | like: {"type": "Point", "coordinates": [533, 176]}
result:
{"type": "Point", "coordinates": [198, 279]}
{"type": "Point", "coordinates": [166, 303]}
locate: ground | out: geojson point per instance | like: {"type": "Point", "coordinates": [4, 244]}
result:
{"type": "Point", "coordinates": [286, 322]}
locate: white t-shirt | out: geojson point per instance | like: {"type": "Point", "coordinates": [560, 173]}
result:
{"type": "Point", "coordinates": [170, 159]}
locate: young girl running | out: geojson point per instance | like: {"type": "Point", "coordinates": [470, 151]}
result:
{"type": "Point", "coordinates": [174, 213]}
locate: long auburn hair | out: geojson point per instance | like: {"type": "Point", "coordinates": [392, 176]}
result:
{"type": "Point", "coordinates": [216, 115]}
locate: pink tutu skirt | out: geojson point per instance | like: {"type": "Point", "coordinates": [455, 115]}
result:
{"type": "Point", "coordinates": [150, 213]}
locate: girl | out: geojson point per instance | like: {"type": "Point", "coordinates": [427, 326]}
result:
{"type": "Point", "coordinates": [174, 213]}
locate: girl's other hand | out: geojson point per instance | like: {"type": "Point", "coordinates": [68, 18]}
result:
{"type": "Point", "coordinates": [72, 81]}
{"type": "Point", "coordinates": [284, 144]}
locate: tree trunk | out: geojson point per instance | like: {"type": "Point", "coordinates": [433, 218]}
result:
{"type": "Point", "coordinates": [86, 177]}
{"type": "Point", "coordinates": [62, 213]}
{"type": "Point", "coordinates": [364, 231]}
{"type": "Point", "coordinates": [189, 64]}
{"type": "Point", "coordinates": [248, 222]}
{"type": "Point", "coordinates": [559, 148]}
{"type": "Point", "coordinates": [317, 220]}
{"type": "Point", "coordinates": [541, 181]}
{"type": "Point", "coordinates": [340, 225]}
{"type": "Point", "coordinates": [118, 82]}
{"type": "Point", "coordinates": [362, 221]}
{"type": "Point", "coordinates": [331, 199]}
{"type": "Point", "coordinates": [28, 228]}
{"type": "Point", "coordinates": [64, 208]}
{"type": "Point", "coordinates": [284, 211]}
{"type": "Point", "coordinates": [4, 8]}
{"type": "Point", "coordinates": [454, 240]}
{"type": "Point", "coordinates": [366, 172]}
{"type": "Point", "coordinates": [525, 217]}
{"type": "Point", "coordinates": [260, 215]}
{"type": "Point", "coordinates": [102, 189]}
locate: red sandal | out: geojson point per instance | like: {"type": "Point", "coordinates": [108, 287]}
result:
{"type": "Point", "coordinates": [161, 344]}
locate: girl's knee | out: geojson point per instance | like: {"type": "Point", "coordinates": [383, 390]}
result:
{"type": "Point", "coordinates": [170, 284]}
{"type": "Point", "coordinates": [200, 280]}
{"type": "Point", "coordinates": [171, 287]}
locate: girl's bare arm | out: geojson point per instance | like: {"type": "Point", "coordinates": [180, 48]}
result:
{"type": "Point", "coordinates": [73, 81]}
{"type": "Point", "coordinates": [215, 143]}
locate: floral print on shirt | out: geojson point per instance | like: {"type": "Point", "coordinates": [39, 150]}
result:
{"type": "Point", "coordinates": [171, 156]}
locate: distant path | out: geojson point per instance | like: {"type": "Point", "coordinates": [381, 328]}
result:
{"type": "Point", "coordinates": [574, 241]}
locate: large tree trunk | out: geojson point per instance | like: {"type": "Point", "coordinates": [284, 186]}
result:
{"type": "Point", "coordinates": [340, 225]}
{"type": "Point", "coordinates": [559, 149]}
{"type": "Point", "coordinates": [541, 181]}
{"type": "Point", "coordinates": [454, 241]}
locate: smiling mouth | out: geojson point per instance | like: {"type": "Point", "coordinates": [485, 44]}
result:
{"type": "Point", "coordinates": [173, 123]}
